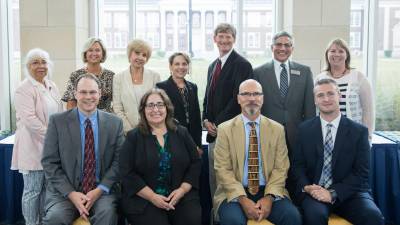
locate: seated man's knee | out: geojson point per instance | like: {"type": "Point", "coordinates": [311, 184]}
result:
{"type": "Point", "coordinates": [57, 216]}
{"type": "Point", "coordinates": [231, 214]}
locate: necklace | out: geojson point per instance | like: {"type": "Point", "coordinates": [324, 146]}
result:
{"type": "Point", "coordinates": [340, 75]}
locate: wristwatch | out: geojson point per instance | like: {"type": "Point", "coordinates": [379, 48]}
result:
{"type": "Point", "coordinates": [333, 195]}
{"type": "Point", "coordinates": [271, 196]}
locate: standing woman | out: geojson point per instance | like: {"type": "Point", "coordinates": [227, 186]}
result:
{"type": "Point", "coordinates": [93, 54]}
{"type": "Point", "coordinates": [356, 101]}
{"type": "Point", "coordinates": [159, 168]}
{"type": "Point", "coordinates": [36, 98]}
{"type": "Point", "coordinates": [131, 84]}
{"type": "Point", "coordinates": [183, 95]}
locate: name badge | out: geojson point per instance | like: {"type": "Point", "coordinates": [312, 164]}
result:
{"type": "Point", "coordinates": [295, 72]}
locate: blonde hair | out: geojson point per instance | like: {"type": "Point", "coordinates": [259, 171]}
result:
{"type": "Point", "coordinates": [89, 43]}
{"type": "Point", "coordinates": [139, 45]}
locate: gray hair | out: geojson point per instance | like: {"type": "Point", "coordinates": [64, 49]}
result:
{"type": "Point", "coordinates": [225, 28]}
{"type": "Point", "coordinates": [34, 54]}
{"type": "Point", "coordinates": [282, 34]}
{"type": "Point", "coordinates": [88, 44]}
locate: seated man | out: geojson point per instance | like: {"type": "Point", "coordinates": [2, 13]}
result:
{"type": "Point", "coordinates": [251, 165]}
{"type": "Point", "coordinates": [80, 160]}
{"type": "Point", "coordinates": [331, 164]}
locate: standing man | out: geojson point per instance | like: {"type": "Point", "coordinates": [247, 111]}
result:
{"type": "Point", "coordinates": [80, 160]}
{"type": "Point", "coordinates": [288, 88]}
{"type": "Point", "coordinates": [223, 79]}
{"type": "Point", "coordinates": [331, 164]}
{"type": "Point", "coordinates": [251, 165]}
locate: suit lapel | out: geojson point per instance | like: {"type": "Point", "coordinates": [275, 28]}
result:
{"type": "Point", "coordinates": [294, 81]}
{"type": "Point", "coordinates": [75, 135]}
{"type": "Point", "coordinates": [271, 79]}
{"type": "Point", "coordinates": [240, 148]}
{"type": "Point", "coordinates": [176, 95]}
{"type": "Point", "coordinates": [102, 123]}
{"type": "Point", "coordinates": [265, 148]}
{"type": "Point", "coordinates": [341, 135]}
{"type": "Point", "coordinates": [319, 146]}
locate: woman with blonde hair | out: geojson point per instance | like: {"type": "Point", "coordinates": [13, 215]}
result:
{"type": "Point", "coordinates": [93, 54]}
{"type": "Point", "coordinates": [130, 85]}
{"type": "Point", "coordinates": [356, 101]}
{"type": "Point", "coordinates": [36, 98]}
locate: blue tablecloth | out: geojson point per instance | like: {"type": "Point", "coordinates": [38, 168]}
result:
{"type": "Point", "coordinates": [11, 185]}
{"type": "Point", "coordinates": [385, 178]}
{"type": "Point", "coordinates": [385, 183]}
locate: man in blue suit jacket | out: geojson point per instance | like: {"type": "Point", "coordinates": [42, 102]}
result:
{"type": "Point", "coordinates": [331, 164]}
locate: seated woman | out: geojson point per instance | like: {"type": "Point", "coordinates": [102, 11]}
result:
{"type": "Point", "coordinates": [159, 167]}
{"type": "Point", "coordinates": [183, 95]}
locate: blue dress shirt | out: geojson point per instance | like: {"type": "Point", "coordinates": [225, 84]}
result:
{"type": "Point", "coordinates": [95, 127]}
{"type": "Point", "coordinates": [247, 129]}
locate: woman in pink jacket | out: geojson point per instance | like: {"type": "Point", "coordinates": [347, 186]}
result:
{"type": "Point", "coordinates": [36, 98]}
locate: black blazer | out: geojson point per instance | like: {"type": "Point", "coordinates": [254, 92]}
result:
{"type": "Point", "coordinates": [139, 161]}
{"type": "Point", "coordinates": [350, 160]}
{"type": "Point", "coordinates": [221, 105]}
{"type": "Point", "coordinates": [194, 127]}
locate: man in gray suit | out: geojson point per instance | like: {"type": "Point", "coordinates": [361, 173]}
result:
{"type": "Point", "coordinates": [288, 91]}
{"type": "Point", "coordinates": [80, 160]}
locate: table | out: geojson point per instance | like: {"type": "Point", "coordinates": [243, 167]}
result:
{"type": "Point", "coordinates": [385, 177]}
{"type": "Point", "coordinates": [11, 185]}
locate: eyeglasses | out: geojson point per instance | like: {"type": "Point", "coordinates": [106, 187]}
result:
{"type": "Point", "coordinates": [159, 105]}
{"type": "Point", "coordinates": [249, 94]}
{"type": "Point", "coordinates": [91, 93]}
{"type": "Point", "coordinates": [280, 45]}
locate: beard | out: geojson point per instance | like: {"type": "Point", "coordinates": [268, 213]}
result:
{"type": "Point", "coordinates": [252, 109]}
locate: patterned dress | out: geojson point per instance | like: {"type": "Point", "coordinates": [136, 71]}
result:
{"type": "Point", "coordinates": [106, 79]}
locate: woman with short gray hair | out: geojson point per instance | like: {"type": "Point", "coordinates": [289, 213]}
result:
{"type": "Point", "coordinates": [93, 54]}
{"type": "Point", "coordinates": [36, 98]}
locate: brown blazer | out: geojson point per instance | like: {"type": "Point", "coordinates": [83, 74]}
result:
{"type": "Point", "coordinates": [230, 155]}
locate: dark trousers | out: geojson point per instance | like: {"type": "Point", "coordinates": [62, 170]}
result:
{"type": "Point", "coordinates": [359, 210]}
{"type": "Point", "coordinates": [185, 213]}
{"type": "Point", "coordinates": [283, 212]}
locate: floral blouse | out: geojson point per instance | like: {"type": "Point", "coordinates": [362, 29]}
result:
{"type": "Point", "coordinates": [106, 79]}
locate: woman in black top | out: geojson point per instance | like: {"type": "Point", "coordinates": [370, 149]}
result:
{"type": "Point", "coordinates": [183, 95]}
{"type": "Point", "coordinates": [159, 168]}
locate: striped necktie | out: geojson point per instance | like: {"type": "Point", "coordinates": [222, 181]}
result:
{"type": "Point", "coordinates": [89, 164]}
{"type": "Point", "coordinates": [326, 176]}
{"type": "Point", "coordinates": [284, 83]}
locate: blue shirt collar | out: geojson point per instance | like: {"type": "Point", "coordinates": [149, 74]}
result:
{"type": "Point", "coordinates": [83, 117]}
{"type": "Point", "coordinates": [246, 120]}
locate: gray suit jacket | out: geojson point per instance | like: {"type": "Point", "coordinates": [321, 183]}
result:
{"type": "Point", "coordinates": [299, 102]}
{"type": "Point", "coordinates": [62, 153]}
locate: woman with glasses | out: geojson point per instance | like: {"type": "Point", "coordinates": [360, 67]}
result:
{"type": "Point", "coordinates": [356, 101]}
{"type": "Point", "coordinates": [132, 83]}
{"type": "Point", "coordinates": [183, 95]}
{"type": "Point", "coordinates": [159, 167]}
{"type": "Point", "coordinates": [36, 99]}
{"type": "Point", "coordinates": [93, 54]}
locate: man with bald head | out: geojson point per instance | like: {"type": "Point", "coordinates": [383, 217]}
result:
{"type": "Point", "coordinates": [251, 165]}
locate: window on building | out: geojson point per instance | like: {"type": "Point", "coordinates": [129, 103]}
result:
{"type": "Point", "coordinates": [165, 25]}
{"type": "Point", "coordinates": [384, 56]}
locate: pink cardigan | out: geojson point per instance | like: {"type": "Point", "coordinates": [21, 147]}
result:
{"type": "Point", "coordinates": [32, 121]}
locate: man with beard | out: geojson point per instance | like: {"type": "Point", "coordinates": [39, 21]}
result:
{"type": "Point", "coordinates": [251, 165]}
{"type": "Point", "coordinates": [331, 164]}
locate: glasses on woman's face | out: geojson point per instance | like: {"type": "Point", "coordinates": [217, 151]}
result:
{"type": "Point", "coordinates": [152, 105]}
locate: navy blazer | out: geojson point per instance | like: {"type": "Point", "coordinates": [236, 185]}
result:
{"type": "Point", "coordinates": [222, 105]}
{"type": "Point", "coordinates": [194, 127]}
{"type": "Point", "coordinates": [139, 166]}
{"type": "Point", "coordinates": [350, 160]}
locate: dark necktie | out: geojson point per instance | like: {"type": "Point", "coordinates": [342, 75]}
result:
{"type": "Point", "coordinates": [326, 176]}
{"type": "Point", "coordinates": [284, 84]}
{"type": "Point", "coordinates": [252, 163]}
{"type": "Point", "coordinates": [89, 164]}
{"type": "Point", "coordinates": [215, 75]}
